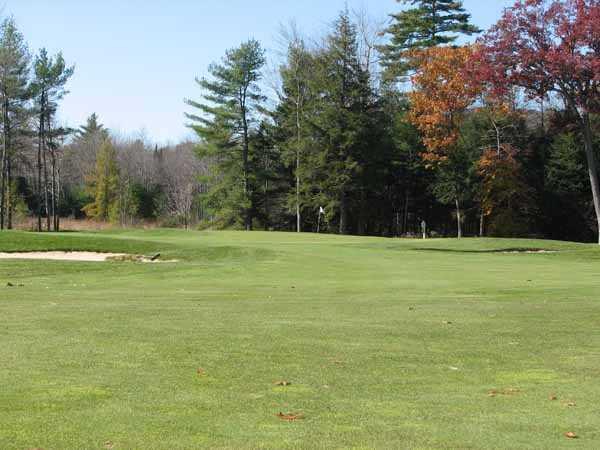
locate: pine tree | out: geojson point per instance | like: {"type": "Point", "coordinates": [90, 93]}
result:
{"type": "Point", "coordinates": [51, 76]}
{"type": "Point", "coordinates": [429, 23]}
{"type": "Point", "coordinates": [225, 124]}
{"type": "Point", "coordinates": [92, 129]}
{"type": "Point", "coordinates": [292, 114]}
{"type": "Point", "coordinates": [270, 178]}
{"type": "Point", "coordinates": [14, 96]}
{"type": "Point", "coordinates": [104, 186]}
{"type": "Point", "coordinates": [340, 122]}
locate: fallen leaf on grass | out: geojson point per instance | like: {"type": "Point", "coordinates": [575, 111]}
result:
{"type": "Point", "coordinates": [569, 403]}
{"type": "Point", "coordinates": [553, 397]}
{"type": "Point", "coordinates": [571, 435]}
{"type": "Point", "coordinates": [290, 417]}
{"type": "Point", "coordinates": [201, 372]}
{"type": "Point", "coordinates": [109, 445]}
{"type": "Point", "coordinates": [282, 383]}
{"type": "Point", "coordinates": [509, 391]}
{"type": "Point", "coordinates": [447, 322]}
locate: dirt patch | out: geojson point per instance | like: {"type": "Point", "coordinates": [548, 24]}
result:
{"type": "Point", "coordinates": [79, 256]}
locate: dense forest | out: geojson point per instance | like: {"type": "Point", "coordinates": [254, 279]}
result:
{"type": "Point", "coordinates": [422, 122]}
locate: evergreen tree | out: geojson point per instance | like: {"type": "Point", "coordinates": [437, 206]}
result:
{"type": "Point", "coordinates": [14, 97]}
{"type": "Point", "coordinates": [225, 124]}
{"type": "Point", "coordinates": [271, 180]}
{"type": "Point", "coordinates": [340, 122]}
{"type": "Point", "coordinates": [51, 76]}
{"type": "Point", "coordinates": [93, 129]}
{"type": "Point", "coordinates": [104, 186]}
{"type": "Point", "coordinates": [292, 115]}
{"type": "Point", "coordinates": [455, 182]}
{"type": "Point", "coordinates": [567, 204]}
{"type": "Point", "coordinates": [429, 23]}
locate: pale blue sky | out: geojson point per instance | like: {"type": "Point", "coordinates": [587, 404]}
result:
{"type": "Point", "coordinates": [136, 59]}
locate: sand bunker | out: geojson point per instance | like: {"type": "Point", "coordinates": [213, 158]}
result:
{"type": "Point", "coordinates": [65, 256]}
{"type": "Point", "coordinates": [85, 257]}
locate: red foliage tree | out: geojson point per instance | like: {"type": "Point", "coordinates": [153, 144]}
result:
{"type": "Point", "coordinates": [549, 46]}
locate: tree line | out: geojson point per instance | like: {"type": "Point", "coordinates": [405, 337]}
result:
{"type": "Point", "coordinates": [374, 128]}
{"type": "Point", "coordinates": [389, 129]}
{"type": "Point", "coordinates": [50, 171]}
{"type": "Point", "coordinates": [30, 90]}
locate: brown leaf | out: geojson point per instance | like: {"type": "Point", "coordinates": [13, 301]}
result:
{"type": "Point", "coordinates": [290, 417]}
{"type": "Point", "coordinates": [569, 403]}
{"type": "Point", "coordinates": [282, 383]}
{"type": "Point", "coordinates": [201, 372]}
{"type": "Point", "coordinates": [553, 397]}
{"type": "Point", "coordinates": [571, 435]}
{"type": "Point", "coordinates": [109, 445]}
{"type": "Point", "coordinates": [508, 391]}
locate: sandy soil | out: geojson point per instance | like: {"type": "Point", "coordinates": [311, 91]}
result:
{"type": "Point", "coordinates": [63, 256]}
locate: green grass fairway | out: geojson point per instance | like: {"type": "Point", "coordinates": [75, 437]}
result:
{"type": "Point", "coordinates": [388, 344]}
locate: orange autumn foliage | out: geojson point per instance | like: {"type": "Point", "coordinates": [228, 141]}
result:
{"type": "Point", "coordinates": [442, 93]}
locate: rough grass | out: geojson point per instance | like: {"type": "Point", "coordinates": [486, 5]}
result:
{"type": "Point", "coordinates": [386, 343]}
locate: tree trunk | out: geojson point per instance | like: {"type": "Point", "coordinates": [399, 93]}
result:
{"type": "Point", "coordinates": [405, 216]}
{"type": "Point", "coordinates": [4, 184]}
{"type": "Point", "coordinates": [7, 166]}
{"type": "Point", "coordinates": [53, 190]}
{"type": "Point", "coordinates": [9, 195]}
{"type": "Point", "coordinates": [592, 161]}
{"type": "Point", "coordinates": [299, 139]}
{"type": "Point", "coordinates": [481, 224]}
{"type": "Point", "coordinates": [41, 136]}
{"type": "Point", "coordinates": [57, 216]}
{"type": "Point", "coordinates": [245, 152]}
{"type": "Point", "coordinates": [3, 187]}
{"type": "Point", "coordinates": [458, 219]}
{"type": "Point", "coordinates": [267, 206]}
{"type": "Point", "coordinates": [46, 197]}
{"type": "Point", "coordinates": [343, 213]}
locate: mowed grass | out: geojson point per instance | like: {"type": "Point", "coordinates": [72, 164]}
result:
{"type": "Point", "coordinates": [438, 344]}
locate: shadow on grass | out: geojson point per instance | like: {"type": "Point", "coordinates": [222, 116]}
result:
{"type": "Point", "coordinates": [496, 250]}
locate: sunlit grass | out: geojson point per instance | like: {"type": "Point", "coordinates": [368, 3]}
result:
{"type": "Point", "coordinates": [385, 343]}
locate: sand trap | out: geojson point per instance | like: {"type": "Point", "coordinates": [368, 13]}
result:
{"type": "Point", "coordinates": [85, 257]}
{"type": "Point", "coordinates": [64, 256]}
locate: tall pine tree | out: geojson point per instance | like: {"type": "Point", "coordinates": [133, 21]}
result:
{"type": "Point", "coordinates": [51, 74]}
{"type": "Point", "coordinates": [14, 96]}
{"type": "Point", "coordinates": [291, 115]}
{"type": "Point", "coordinates": [340, 123]}
{"type": "Point", "coordinates": [226, 120]}
{"type": "Point", "coordinates": [429, 23]}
